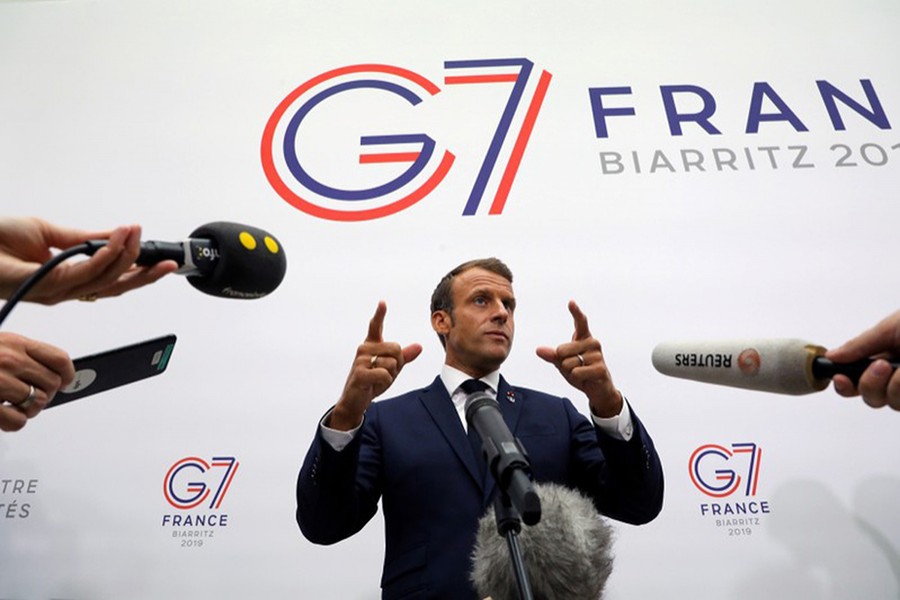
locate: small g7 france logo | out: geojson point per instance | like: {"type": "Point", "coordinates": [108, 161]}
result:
{"type": "Point", "coordinates": [398, 169]}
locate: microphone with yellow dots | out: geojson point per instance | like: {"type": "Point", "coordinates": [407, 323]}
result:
{"type": "Point", "coordinates": [224, 259]}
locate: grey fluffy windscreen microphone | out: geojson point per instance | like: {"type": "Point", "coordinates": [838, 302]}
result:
{"type": "Point", "coordinates": [782, 366]}
{"type": "Point", "coordinates": [568, 554]}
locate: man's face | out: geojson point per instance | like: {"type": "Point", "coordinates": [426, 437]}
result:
{"type": "Point", "coordinates": [479, 333]}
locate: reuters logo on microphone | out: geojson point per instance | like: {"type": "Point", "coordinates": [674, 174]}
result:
{"type": "Point", "coordinates": [749, 361]}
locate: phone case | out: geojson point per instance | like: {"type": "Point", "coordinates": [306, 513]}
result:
{"type": "Point", "coordinates": [114, 368]}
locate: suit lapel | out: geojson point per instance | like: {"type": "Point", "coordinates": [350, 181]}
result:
{"type": "Point", "coordinates": [437, 402]}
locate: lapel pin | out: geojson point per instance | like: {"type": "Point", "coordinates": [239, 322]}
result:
{"type": "Point", "coordinates": [511, 396]}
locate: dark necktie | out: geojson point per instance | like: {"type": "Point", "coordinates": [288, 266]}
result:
{"type": "Point", "coordinates": [471, 386]}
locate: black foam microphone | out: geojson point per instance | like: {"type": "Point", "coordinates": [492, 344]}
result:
{"type": "Point", "coordinates": [504, 455]}
{"type": "Point", "coordinates": [568, 555]}
{"type": "Point", "coordinates": [222, 259]}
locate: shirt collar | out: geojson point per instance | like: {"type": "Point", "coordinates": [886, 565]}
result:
{"type": "Point", "coordinates": [453, 378]}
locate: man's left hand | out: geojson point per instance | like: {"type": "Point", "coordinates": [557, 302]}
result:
{"type": "Point", "coordinates": [582, 364]}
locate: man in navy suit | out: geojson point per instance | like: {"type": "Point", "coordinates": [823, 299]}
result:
{"type": "Point", "coordinates": [412, 452]}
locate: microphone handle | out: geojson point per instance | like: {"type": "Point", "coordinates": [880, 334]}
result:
{"type": "Point", "coordinates": [156, 252]}
{"type": "Point", "coordinates": [195, 256]}
{"type": "Point", "coordinates": [823, 368]}
{"type": "Point", "coordinates": [151, 252]}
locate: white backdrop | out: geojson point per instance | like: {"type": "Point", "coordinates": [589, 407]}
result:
{"type": "Point", "coordinates": [154, 112]}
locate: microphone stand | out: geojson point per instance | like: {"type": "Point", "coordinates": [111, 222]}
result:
{"type": "Point", "coordinates": [509, 524]}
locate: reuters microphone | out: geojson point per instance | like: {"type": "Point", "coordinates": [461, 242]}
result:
{"type": "Point", "coordinates": [781, 366]}
{"type": "Point", "coordinates": [568, 554]}
{"type": "Point", "coordinates": [223, 259]}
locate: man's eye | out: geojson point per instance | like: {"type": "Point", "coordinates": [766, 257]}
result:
{"type": "Point", "coordinates": [481, 300]}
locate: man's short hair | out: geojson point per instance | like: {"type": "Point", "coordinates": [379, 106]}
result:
{"type": "Point", "coordinates": [442, 299]}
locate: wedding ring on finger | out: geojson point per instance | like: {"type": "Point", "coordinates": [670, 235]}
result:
{"type": "Point", "coordinates": [580, 359]}
{"type": "Point", "coordinates": [88, 297]}
{"type": "Point", "coordinates": [372, 361]}
{"type": "Point", "coordinates": [29, 399]}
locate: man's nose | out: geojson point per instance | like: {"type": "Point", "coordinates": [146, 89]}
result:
{"type": "Point", "coordinates": [501, 313]}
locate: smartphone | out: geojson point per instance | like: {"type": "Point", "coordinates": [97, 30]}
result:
{"type": "Point", "coordinates": [107, 370]}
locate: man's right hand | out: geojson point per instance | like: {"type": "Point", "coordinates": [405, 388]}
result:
{"type": "Point", "coordinates": [375, 367]}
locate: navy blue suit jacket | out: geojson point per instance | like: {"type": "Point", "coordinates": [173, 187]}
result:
{"type": "Point", "coordinates": [413, 454]}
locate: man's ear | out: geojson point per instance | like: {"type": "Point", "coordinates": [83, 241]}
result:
{"type": "Point", "coordinates": [440, 322]}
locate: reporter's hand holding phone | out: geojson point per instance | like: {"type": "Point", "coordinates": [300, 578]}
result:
{"type": "Point", "coordinates": [31, 373]}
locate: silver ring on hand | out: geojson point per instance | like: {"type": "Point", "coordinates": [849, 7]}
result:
{"type": "Point", "coordinates": [580, 359]}
{"type": "Point", "coordinates": [29, 399]}
{"type": "Point", "coordinates": [372, 361]}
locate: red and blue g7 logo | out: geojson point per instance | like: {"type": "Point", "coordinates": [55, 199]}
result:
{"type": "Point", "coordinates": [386, 172]}
{"type": "Point", "coordinates": [717, 471]}
{"type": "Point", "coordinates": [191, 481]}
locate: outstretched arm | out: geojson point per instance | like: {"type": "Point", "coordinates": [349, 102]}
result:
{"type": "Point", "coordinates": [26, 243]}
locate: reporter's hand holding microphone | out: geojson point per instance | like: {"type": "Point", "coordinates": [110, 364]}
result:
{"type": "Point", "coordinates": [31, 372]}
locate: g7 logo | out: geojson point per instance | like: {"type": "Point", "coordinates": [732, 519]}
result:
{"type": "Point", "coordinates": [703, 475]}
{"type": "Point", "coordinates": [183, 491]}
{"type": "Point", "coordinates": [285, 156]}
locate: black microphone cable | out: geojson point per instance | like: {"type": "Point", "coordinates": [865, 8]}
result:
{"type": "Point", "coordinates": [34, 278]}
